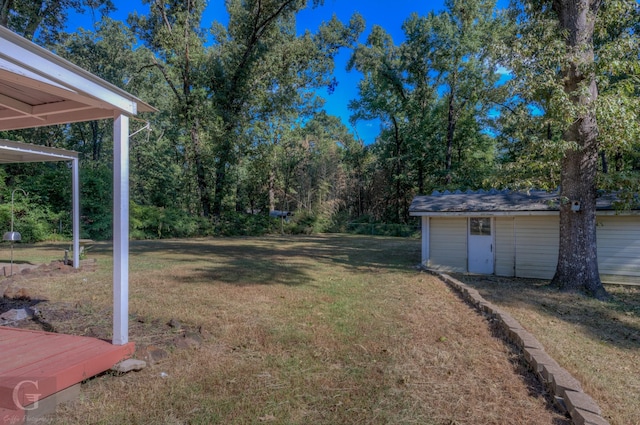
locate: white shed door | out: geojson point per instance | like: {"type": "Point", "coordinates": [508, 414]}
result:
{"type": "Point", "coordinates": [481, 245]}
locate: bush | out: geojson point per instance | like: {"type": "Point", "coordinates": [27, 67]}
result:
{"type": "Point", "coordinates": [151, 222]}
{"type": "Point", "coordinates": [243, 224]}
{"type": "Point", "coordinates": [35, 223]}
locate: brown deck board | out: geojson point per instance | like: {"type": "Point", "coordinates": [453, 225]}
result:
{"type": "Point", "coordinates": [50, 361]}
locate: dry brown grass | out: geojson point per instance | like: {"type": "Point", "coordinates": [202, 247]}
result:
{"type": "Point", "coordinates": [305, 330]}
{"type": "Point", "coordinates": [598, 342]}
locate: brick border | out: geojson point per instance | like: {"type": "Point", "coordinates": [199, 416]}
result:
{"type": "Point", "coordinates": [567, 390]}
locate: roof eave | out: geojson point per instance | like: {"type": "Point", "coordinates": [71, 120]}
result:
{"type": "Point", "coordinates": [38, 60]}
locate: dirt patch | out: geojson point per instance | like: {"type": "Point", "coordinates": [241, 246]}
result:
{"type": "Point", "coordinates": [83, 318]}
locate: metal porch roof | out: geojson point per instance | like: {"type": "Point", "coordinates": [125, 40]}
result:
{"type": "Point", "coordinates": [12, 152]}
{"type": "Point", "coordinates": [39, 88]}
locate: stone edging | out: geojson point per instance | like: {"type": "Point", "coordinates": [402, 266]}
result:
{"type": "Point", "coordinates": [567, 390]}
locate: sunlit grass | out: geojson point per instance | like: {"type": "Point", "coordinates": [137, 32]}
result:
{"type": "Point", "coordinates": [597, 342]}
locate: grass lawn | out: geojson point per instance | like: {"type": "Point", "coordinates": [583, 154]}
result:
{"type": "Point", "coordinates": [328, 329]}
{"type": "Point", "coordinates": [597, 342]}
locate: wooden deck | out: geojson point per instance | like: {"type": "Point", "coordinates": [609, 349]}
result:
{"type": "Point", "coordinates": [35, 365]}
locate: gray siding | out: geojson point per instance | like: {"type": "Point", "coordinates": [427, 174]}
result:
{"type": "Point", "coordinates": [537, 239]}
{"type": "Point", "coordinates": [505, 254]}
{"type": "Point", "coordinates": [448, 241]}
{"type": "Point", "coordinates": [619, 249]}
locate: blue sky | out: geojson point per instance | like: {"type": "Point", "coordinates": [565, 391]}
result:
{"type": "Point", "coordinates": [389, 14]}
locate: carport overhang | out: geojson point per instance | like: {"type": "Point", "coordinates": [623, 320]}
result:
{"type": "Point", "coordinates": [38, 88]}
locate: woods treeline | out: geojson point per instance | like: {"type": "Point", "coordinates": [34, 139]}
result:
{"type": "Point", "coordinates": [473, 97]}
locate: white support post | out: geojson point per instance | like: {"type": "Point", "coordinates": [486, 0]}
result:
{"type": "Point", "coordinates": [75, 190]}
{"type": "Point", "coordinates": [121, 230]}
{"type": "Point", "coordinates": [425, 240]}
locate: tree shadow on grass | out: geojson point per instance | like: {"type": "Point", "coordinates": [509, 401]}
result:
{"type": "Point", "coordinates": [287, 260]}
{"type": "Point", "coordinates": [351, 251]}
{"type": "Point", "coordinates": [240, 272]}
{"type": "Point", "coordinates": [616, 321]}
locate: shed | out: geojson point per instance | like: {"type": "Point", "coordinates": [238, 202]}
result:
{"type": "Point", "coordinates": [516, 234]}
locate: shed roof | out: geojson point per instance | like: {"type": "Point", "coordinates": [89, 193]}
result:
{"type": "Point", "coordinates": [494, 201]}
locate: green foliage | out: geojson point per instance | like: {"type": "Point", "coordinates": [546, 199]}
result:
{"type": "Point", "coordinates": [45, 19]}
{"type": "Point", "coordinates": [96, 202]}
{"type": "Point", "coordinates": [530, 130]}
{"type": "Point", "coordinates": [307, 223]}
{"type": "Point", "coordinates": [240, 130]}
{"type": "Point", "coordinates": [34, 222]}
{"type": "Point", "coordinates": [152, 222]}
{"type": "Point", "coordinates": [242, 224]}
{"type": "Point", "coordinates": [368, 225]}
{"type": "Point", "coordinates": [433, 94]}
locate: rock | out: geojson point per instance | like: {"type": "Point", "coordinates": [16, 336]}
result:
{"type": "Point", "coordinates": [129, 365]}
{"type": "Point", "coordinates": [173, 323]}
{"type": "Point", "coordinates": [155, 354]}
{"type": "Point", "coordinates": [14, 314]}
{"type": "Point", "coordinates": [190, 340]}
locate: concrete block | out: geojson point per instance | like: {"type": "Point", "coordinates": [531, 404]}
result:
{"type": "Point", "coordinates": [527, 340]}
{"type": "Point", "coordinates": [509, 322]}
{"type": "Point", "coordinates": [562, 381]}
{"type": "Point", "coordinates": [475, 295]}
{"type": "Point", "coordinates": [530, 355]}
{"type": "Point", "coordinates": [582, 417]}
{"type": "Point", "coordinates": [579, 400]}
{"type": "Point", "coordinates": [129, 365]}
{"type": "Point", "coordinates": [544, 365]}
{"type": "Point", "coordinates": [487, 307]}
{"type": "Point", "coordinates": [560, 404]}
{"type": "Point", "coordinates": [35, 412]}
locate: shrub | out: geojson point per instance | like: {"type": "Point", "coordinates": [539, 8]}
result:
{"type": "Point", "coordinates": [151, 222]}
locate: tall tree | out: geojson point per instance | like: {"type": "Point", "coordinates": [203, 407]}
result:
{"type": "Point", "coordinates": [573, 61]}
{"type": "Point", "coordinates": [433, 94]}
{"type": "Point", "coordinates": [461, 39]}
{"type": "Point", "coordinates": [385, 94]}
{"type": "Point", "coordinates": [47, 18]}
{"type": "Point", "coordinates": [259, 62]}
{"type": "Point", "coordinates": [172, 31]}
{"type": "Point", "coordinates": [578, 257]}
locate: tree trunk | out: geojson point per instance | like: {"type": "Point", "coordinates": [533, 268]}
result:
{"type": "Point", "coordinates": [201, 178]}
{"type": "Point", "coordinates": [272, 189]}
{"type": "Point", "coordinates": [399, 169]}
{"type": "Point", "coordinates": [5, 8]}
{"type": "Point", "coordinates": [96, 140]}
{"type": "Point", "coordinates": [577, 268]}
{"type": "Point", "coordinates": [451, 129]}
